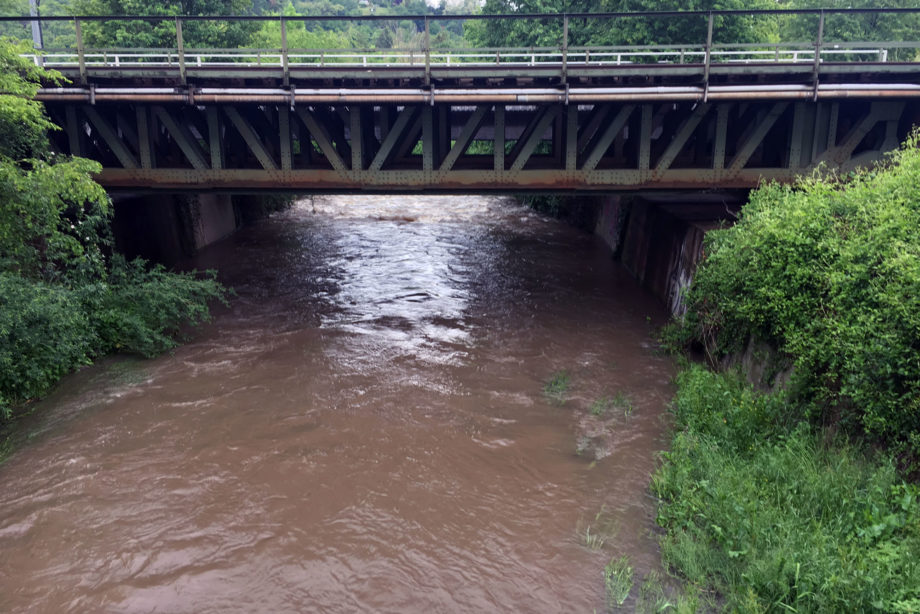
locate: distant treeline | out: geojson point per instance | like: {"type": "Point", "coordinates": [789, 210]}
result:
{"type": "Point", "coordinates": [409, 34]}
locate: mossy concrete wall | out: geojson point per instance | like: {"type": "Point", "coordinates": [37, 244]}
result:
{"type": "Point", "coordinates": [660, 243]}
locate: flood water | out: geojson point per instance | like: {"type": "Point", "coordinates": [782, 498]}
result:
{"type": "Point", "coordinates": [364, 428]}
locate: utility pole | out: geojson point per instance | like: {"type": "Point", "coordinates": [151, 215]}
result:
{"type": "Point", "coordinates": [36, 25]}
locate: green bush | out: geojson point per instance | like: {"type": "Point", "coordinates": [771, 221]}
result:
{"type": "Point", "coordinates": [142, 308]}
{"type": "Point", "coordinates": [828, 273]}
{"type": "Point", "coordinates": [782, 522]}
{"type": "Point", "coordinates": [44, 333]}
{"type": "Point", "coordinates": [49, 329]}
{"type": "Point", "coordinates": [62, 300]}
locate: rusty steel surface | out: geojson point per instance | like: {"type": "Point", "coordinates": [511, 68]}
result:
{"type": "Point", "coordinates": [561, 118]}
{"type": "Point", "coordinates": [478, 147]}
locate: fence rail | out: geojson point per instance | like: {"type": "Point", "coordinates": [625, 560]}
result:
{"type": "Point", "coordinates": [705, 51]}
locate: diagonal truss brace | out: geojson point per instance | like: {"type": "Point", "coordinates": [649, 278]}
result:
{"type": "Point", "coordinates": [252, 139]}
{"type": "Point", "coordinates": [746, 150]}
{"type": "Point", "coordinates": [183, 137]}
{"type": "Point", "coordinates": [111, 138]}
{"type": "Point", "coordinates": [393, 136]}
{"type": "Point", "coordinates": [680, 139]}
{"type": "Point", "coordinates": [540, 124]}
{"type": "Point", "coordinates": [602, 144]}
{"type": "Point", "coordinates": [318, 132]}
{"type": "Point", "coordinates": [466, 136]}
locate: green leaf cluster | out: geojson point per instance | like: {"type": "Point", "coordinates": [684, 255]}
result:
{"type": "Point", "coordinates": [65, 298]}
{"type": "Point", "coordinates": [828, 273]}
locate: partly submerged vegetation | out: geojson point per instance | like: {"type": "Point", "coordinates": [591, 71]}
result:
{"type": "Point", "coordinates": [65, 296]}
{"type": "Point", "coordinates": [796, 494]}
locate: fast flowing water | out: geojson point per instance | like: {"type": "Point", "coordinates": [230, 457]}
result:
{"type": "Point", "coordinates": [364, 428]}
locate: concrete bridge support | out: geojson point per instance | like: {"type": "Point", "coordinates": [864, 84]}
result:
{"type": "Point", "coordinates": [166, 228]}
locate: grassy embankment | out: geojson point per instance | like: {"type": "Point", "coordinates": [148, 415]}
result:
{"type": "Point", "coordinates": [802, 497]}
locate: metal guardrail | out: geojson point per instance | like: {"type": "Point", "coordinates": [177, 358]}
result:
{"type": "Point", "coordinates": [704, 52]}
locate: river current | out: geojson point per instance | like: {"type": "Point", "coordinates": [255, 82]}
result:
{"type": "Point", "coordinates": [365, 428]}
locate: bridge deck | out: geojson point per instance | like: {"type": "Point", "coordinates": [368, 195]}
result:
{"type": "Point", "coordinates": [563, 118]}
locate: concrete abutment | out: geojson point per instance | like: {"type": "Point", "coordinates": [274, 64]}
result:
{"type": "Point", "coordinates": [166, 228]}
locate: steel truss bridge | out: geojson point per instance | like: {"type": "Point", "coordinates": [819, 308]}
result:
{"type": "Point", "coordinates": [564, 118]}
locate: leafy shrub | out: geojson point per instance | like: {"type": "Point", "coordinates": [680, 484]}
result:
{"type": "Point", "coordinates": [62, 301]}
{"type": "Point", "coordinates": [49, 329]}
{"type": "Point", "coordinates": [141, 308]}
{"type": "Point", "coordinates": [829, 274]}
{"type": "Point", "coordinates": [44, 334]}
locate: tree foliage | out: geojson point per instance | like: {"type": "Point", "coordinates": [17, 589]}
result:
{"type": "Point", "coordinates": [679, 30]}
{"type": "Point", "coordinates": [64, 297]}
{"type": "Point", "coordinates": [207, 34]}
{"type": "Point", "coordinates": [829, 274]}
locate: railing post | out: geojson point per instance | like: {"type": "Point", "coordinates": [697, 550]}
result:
{"type": "Point", "coordinates": [180, 44]}
{"type": "Point", "coordinates": [565, 45]}
{"type": "Point", "coordinates": [708, 60]}
{"type": "Point", "coordinates": [81, 56]}
{"type": "Point", "coordinates": [818, 43]}
{"type": "Point", "coordinates": [286, 77]}
{"type": "Point", "coordinates": [427, 52]}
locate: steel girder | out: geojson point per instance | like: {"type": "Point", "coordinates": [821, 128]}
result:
{"type": "Point", "coordinates": [476, 147]}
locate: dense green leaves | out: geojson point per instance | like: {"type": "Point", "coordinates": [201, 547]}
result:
{"type": "Point", "coordinates": [64, 297]}
{"type": "Point", "coordinates": [210, 34]}
{"type": "Point", "coordinates": [829, 274]}
{"type": "Point", "coordinates": [678, 30]}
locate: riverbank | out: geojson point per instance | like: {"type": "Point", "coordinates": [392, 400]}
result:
{"type": "Point", "coordinates": [791, 479]}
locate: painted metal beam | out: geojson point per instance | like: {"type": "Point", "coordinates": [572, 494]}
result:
{"type": "Point", "coordinates": [606, 137]}
{"type": "Point", "coordinates": [215, 139]}
{"type": "Point", "coordinates": [680, 137]}
{"type": "Point", "coordinates": [111, 138]}
{"type": "Point", "coordinates": [183, 138]}
{"type": "Point", "coordinates": [532, 136]}
{"type": "Point", "coordinates": [400, 127]}
{"type": "Point", "coordinates": [321, 136]}
{"type": "Point", "coordinates": [252, 139]}
{"type": "Point", "coordinates": [470, 128]}
{"type": "Point", "coordinates": [756, 136]}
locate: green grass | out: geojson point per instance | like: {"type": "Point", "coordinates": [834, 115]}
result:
{"type": "Point", "coordinates": [557, 388]}
{"type": "Point", "coordinates": [620, 401]}
{"type": "Point", "coordinates": [776, 519]}
{"type": "Point", "coordinates": [618, 581]}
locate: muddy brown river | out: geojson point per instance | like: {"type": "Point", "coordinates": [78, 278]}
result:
{"type": "Point", "coordinates": [366, 428]}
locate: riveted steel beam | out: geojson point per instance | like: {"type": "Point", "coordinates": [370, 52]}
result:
{"type": "Point", "coordinates": [680, 137]}
{"type": "Point", "coordinates": [756, 136]}
{"type": "Point", "coordinates": [498, 141]}
{"type": "Point", "coordinates": [215, 139]}
{"type": "Point", "coordinates": [602, 143]}
{"type": "Point", "coordinates": [321, 136]}
{"type": "Point", "coordinates": [718, 154]}
{"type": "Point", "coordinates": [183, 138]}
{"type": "Point", "coordinates": [466, 136]}
{"type": "Point", "coordinates": [251, 138]}
{"type": "Point", "coordinates": [400, 127]}
{"type": "Point", "coordinates": [111, 138]}
{"type": "Point", "coordinates": [143, 136]}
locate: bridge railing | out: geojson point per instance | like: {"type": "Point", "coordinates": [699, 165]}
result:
{"type": "Point", "coordinates": [68, 48]}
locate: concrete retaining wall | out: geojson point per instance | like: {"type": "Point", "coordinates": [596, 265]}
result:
{"type": "Point", "coordinates": [165, 228]}
{"type": "Point", "coordinates": [660, 244]}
